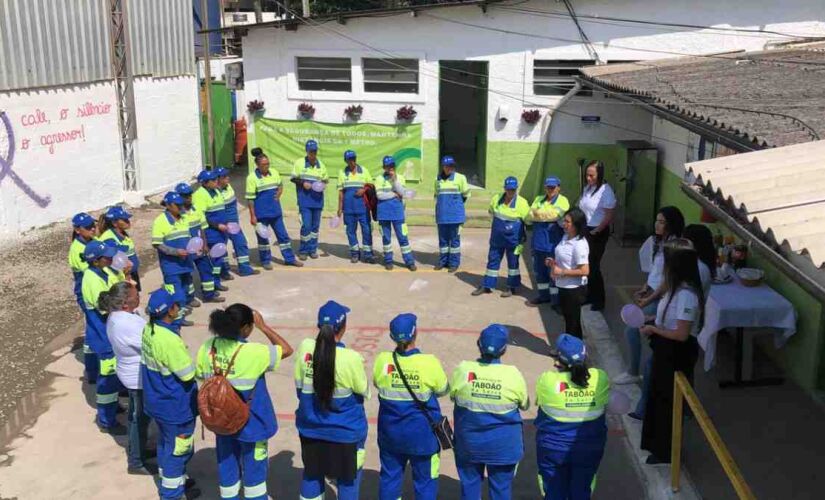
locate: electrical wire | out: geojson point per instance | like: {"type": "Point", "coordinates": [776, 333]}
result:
{"type": "Point", "coordinates": [585, 40]}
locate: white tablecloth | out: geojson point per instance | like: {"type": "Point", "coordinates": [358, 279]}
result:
{"type": "Point", "coordinates": [737, 306]}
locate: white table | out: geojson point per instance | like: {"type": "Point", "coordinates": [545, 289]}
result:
{"type": "Point", "coordinates": [734, 305]}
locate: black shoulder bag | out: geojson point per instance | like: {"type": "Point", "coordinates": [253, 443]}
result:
{"type": "Point", "coordinates": [442, 429]}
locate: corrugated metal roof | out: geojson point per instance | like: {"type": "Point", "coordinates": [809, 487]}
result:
{"type": "Point", "coordinates": [782, 190]}
{"type": "Point", "coordinates": [161, 33]}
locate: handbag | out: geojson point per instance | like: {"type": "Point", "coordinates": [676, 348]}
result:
{"type": "Point", "coordinates": [442, 429]}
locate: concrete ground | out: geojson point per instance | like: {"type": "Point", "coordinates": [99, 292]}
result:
{"type": "Point", "coordinates": [60, 453]}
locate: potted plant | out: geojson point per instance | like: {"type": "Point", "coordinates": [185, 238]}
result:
{"type": "Point", "coordinates": [306, 110]}
{"type": "Point", "coordinates": [405, 114]}
{"type": "Point", "coordinates": [353, 112]}
{"type": "Point", "coordinates": [255, 107]}
{"type": "Point", "coordinates": [531, 116]}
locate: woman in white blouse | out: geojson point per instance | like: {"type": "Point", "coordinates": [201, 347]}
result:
{"type": "Point", "coordinates": [679, 318]}
{"type": "Point", "coordinates": [598, 203]}
{"type": "Point", "coordinates": [570, 268]}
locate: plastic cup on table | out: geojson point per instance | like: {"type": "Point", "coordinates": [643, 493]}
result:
{"type": "Point", "coordinates": [409, 194]}
{"type": "Point", "coordinates": [318, 186]}
{"type": "Point", "coordinates": [119, 261]}
{"type": "Point", "coordinates": [633, 316]}
{"type": "Point", "coordinates": [233, 228]}
{"type": "Point", "coordinates": [334, 222]}
{"type": "Point", "coordinates": [195, 245]}
{"type": "Point", "coordinates": [217, 251]}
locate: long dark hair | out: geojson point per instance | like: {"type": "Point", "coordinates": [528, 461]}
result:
{"type": "Point", "coordinates": [579, 221]}
{"type": "Point", "coordinates": [599, 166]}
{"type": "Point", "coordinates": [674, 225]}
{"type": "Point", "coordinates": [227, 323]}
{"type": "Point", "coordinates": [323, 364]}
{"type": "Point", "coordinates": [579, 373]}
{"type": "Point", "coordinates": [681, 271]}
{"type": "Point", "coordinates": [702, 240]}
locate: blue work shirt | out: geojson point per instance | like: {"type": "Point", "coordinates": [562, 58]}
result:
{"type": "Point", "coordinates": [262, 191]}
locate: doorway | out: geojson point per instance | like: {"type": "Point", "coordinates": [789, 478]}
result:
{"type": "Point", "coordinates": [463, 116]}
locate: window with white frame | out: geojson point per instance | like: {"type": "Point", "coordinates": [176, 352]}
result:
{"type": "Point", "coordinates": [557, 77]}
{"type": "Point", "coordinates": [391, 75]}
{"type": "Point", "coordinates": [324, 73]}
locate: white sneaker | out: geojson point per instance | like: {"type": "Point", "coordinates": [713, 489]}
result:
{"type": "Point", "coordinates": [626, 379]}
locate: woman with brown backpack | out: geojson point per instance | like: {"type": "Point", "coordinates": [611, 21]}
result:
{"type": "Point", "coordinates": [234, 401]}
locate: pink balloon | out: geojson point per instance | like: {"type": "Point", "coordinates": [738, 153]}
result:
{"type": "Point", "coordinates": [195, 245]}
{"type": "Point", "coordinates": [119, 261]}
{"type": "Point", "coordinates": [318, 186]}
{"type": "Point", "coordinates": [217, 251]}
{"type": "Point", "coordinates": [233, 228]}
{"type": "Point", "coordinates": [618, 403]}
{"type": "Point", "coordinates": [409, 194]}
{"type": "Point", "coordinates": [334, 222]}
{"type": "Point", "coordinates": [262, 230]}
{"type": "Point", "coordinates": [633, 316]}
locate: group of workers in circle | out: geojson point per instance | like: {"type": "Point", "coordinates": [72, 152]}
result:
{"type": "Point", "coordinates": [150, 361]}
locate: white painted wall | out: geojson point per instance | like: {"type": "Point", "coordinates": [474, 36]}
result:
{"type": "Point", "coordinates": [168, 126]}
{"type": "Point", "coordinates": [83, 172]}
{"type": "Point", "coordinates": [269, 56]}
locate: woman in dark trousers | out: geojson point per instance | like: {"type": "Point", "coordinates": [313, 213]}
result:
{"type": "Point", "coordinates": [679, 319]}
{"type": "Point", "coordinates": [598, 203]}
{"type": "Point", "coordinates": [570, 268]}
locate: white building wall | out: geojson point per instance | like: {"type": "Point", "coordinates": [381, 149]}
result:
{"type": "Point", "coordinates": [66, 155]}
{"type": "Point", "coordinates": [168, 128]}
{"type": "Point", "coordinates": [269, 55]}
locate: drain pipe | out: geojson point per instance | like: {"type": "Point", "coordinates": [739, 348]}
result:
{"type": "Point", "coordinates": [550, 116]}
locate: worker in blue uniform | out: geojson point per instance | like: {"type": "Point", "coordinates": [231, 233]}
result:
{"type": "Point", "coordinates": [389, 189]}
{"type": "Point", "coordinates": [571, 432]}
{"type": "Point", "coordinates": [306, 171]}
{"type": "Point", "coordinates": [488, 427]}
{"type": "Point", "coordinates": [84, 230]}
{"type": "Point", "coordinates": [331, 384]}
{"type": "Point", "coordinates": [451, 193]}
{"type": "Point", "coordinates": [507, 236]}
{"type": "Point", "coordinates": [112, 226]}
{"type": "Point", "coordinates": [400, 417]}
{"type": "Point", "coordinates": [351, 181]}
{"type": "Point", "coordinates": [195, 220]}
{"type": "Point", "coordinates": [170, 235]}
{"type": "Point", "coordinates": [239, 245]}
{"type": "Point", "coordinates": [546, 217]}
{"type": "Point", "coordinates": [208, 200]}
{"type": "Point", "coordinates": [170, 394]}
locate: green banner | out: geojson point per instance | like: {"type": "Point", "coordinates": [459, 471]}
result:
{"type": "Point", "coordinates": [283, 141]}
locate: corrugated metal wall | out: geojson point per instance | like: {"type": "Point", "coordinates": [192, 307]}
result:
{"type": "Point", "coordinates": [45, 43]}
{"type": "Point", "coordinates": [162, 37]}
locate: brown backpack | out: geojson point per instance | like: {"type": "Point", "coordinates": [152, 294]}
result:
{"type": "Point", "coordinates": [221, 408]}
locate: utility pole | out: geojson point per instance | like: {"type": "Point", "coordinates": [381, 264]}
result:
{"type": "Point", "coordinates": [124, 90]}
{"type": "Point", "coordinates": [207, 83]}
{"type": "Point", "coordinates": [259, 15]}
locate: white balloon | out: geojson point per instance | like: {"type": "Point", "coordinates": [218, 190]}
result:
{"type": "Point", "coordinates": [618, 402]}
{"type": "Point", "coordinates": [119, 261]}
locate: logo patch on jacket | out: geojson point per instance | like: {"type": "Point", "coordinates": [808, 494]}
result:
{"type": "Point", "coordinates": [562, 387]}
{"type": "Point", "coordinates": [389, 369]}
{"type": "Point", "coordinates": [471, 376]}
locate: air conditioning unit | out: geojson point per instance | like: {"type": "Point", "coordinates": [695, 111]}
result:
{"type": "Point", "coordinates": [233, 74]}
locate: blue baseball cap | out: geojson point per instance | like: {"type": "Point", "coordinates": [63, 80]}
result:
{"type": "Point", "coordinates": [389, 161]}
{"type": "Point", "coordinates": [332, 313]}
{"type": "Point", "coordinates": [96, 249]}
{"type": "Point", "coordinates": [511, 183]}
{"type": "Point", "coordinates": [447, 161]}
{"type": "Point", "coordinates": [83, 220]}
{"type": "Point", "coordinates": [160, 301]}
{"type": "Point", "coordinates": [183, 189]}
{"type": "Point", "coordinates": [552, 181]}
{"type": "Point", "coordinates": [117, 213]}
{"type": "Point", "coordinates": [311, 145]}
{"type": "Point", "coordinates": [570, 350]}
{"type": "Point", "coordinates": [172, 198]}
{"type": "Point", "coordinates": [493, 340]}
{"type": "Point", "coordinates": [207, 175]}
{"type": "Point", "coordinates": [349, 155]}
{"type": "Point", "coordinates": [221, 172]}
{"type": "Point", "coordinates": [402, 327]}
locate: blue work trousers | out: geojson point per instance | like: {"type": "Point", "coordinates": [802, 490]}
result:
{"type": "Point", "coordinates": [244, 463]}
{"type": "Point", "coordinates": [138, 424]}
{"type": "Point", "coordinates": [213, 237]}
{"type": "Point", "coordinates": [310, 230]}
{"type": "Point", "coordinates": [494, 257]}
{"type": "Point", "coordinates": [352, 222]}
{"type": "Point", "coordinates": [424, 474]}
{"type": "Point", "coordinates": [176, 445]}
{"type": "Point", "coordinates": [90, 362]}
{"type": "Point", "coordinates": [449, 245]}
{"type": "Point", "coordinates": [181, 287]}
{"type": "Point", "coordinates": [545, 284]}
{"type": "Point", "coordinates": [568, 473]}
{"type": "Point", "coordinates": [312, 488]}
{"type": "Point", "coordinates": [204, 266]}
{"type": "Point", "coordinates": [401, 232]}
{"type": "Point", "coordinates": [240, 248]}
{"type": "Point", "coordinates": [499, 480]}
{"type": "Point", "coordinates": [285, 244]}
{"type": "Point", "coordinates": [108, 387]}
